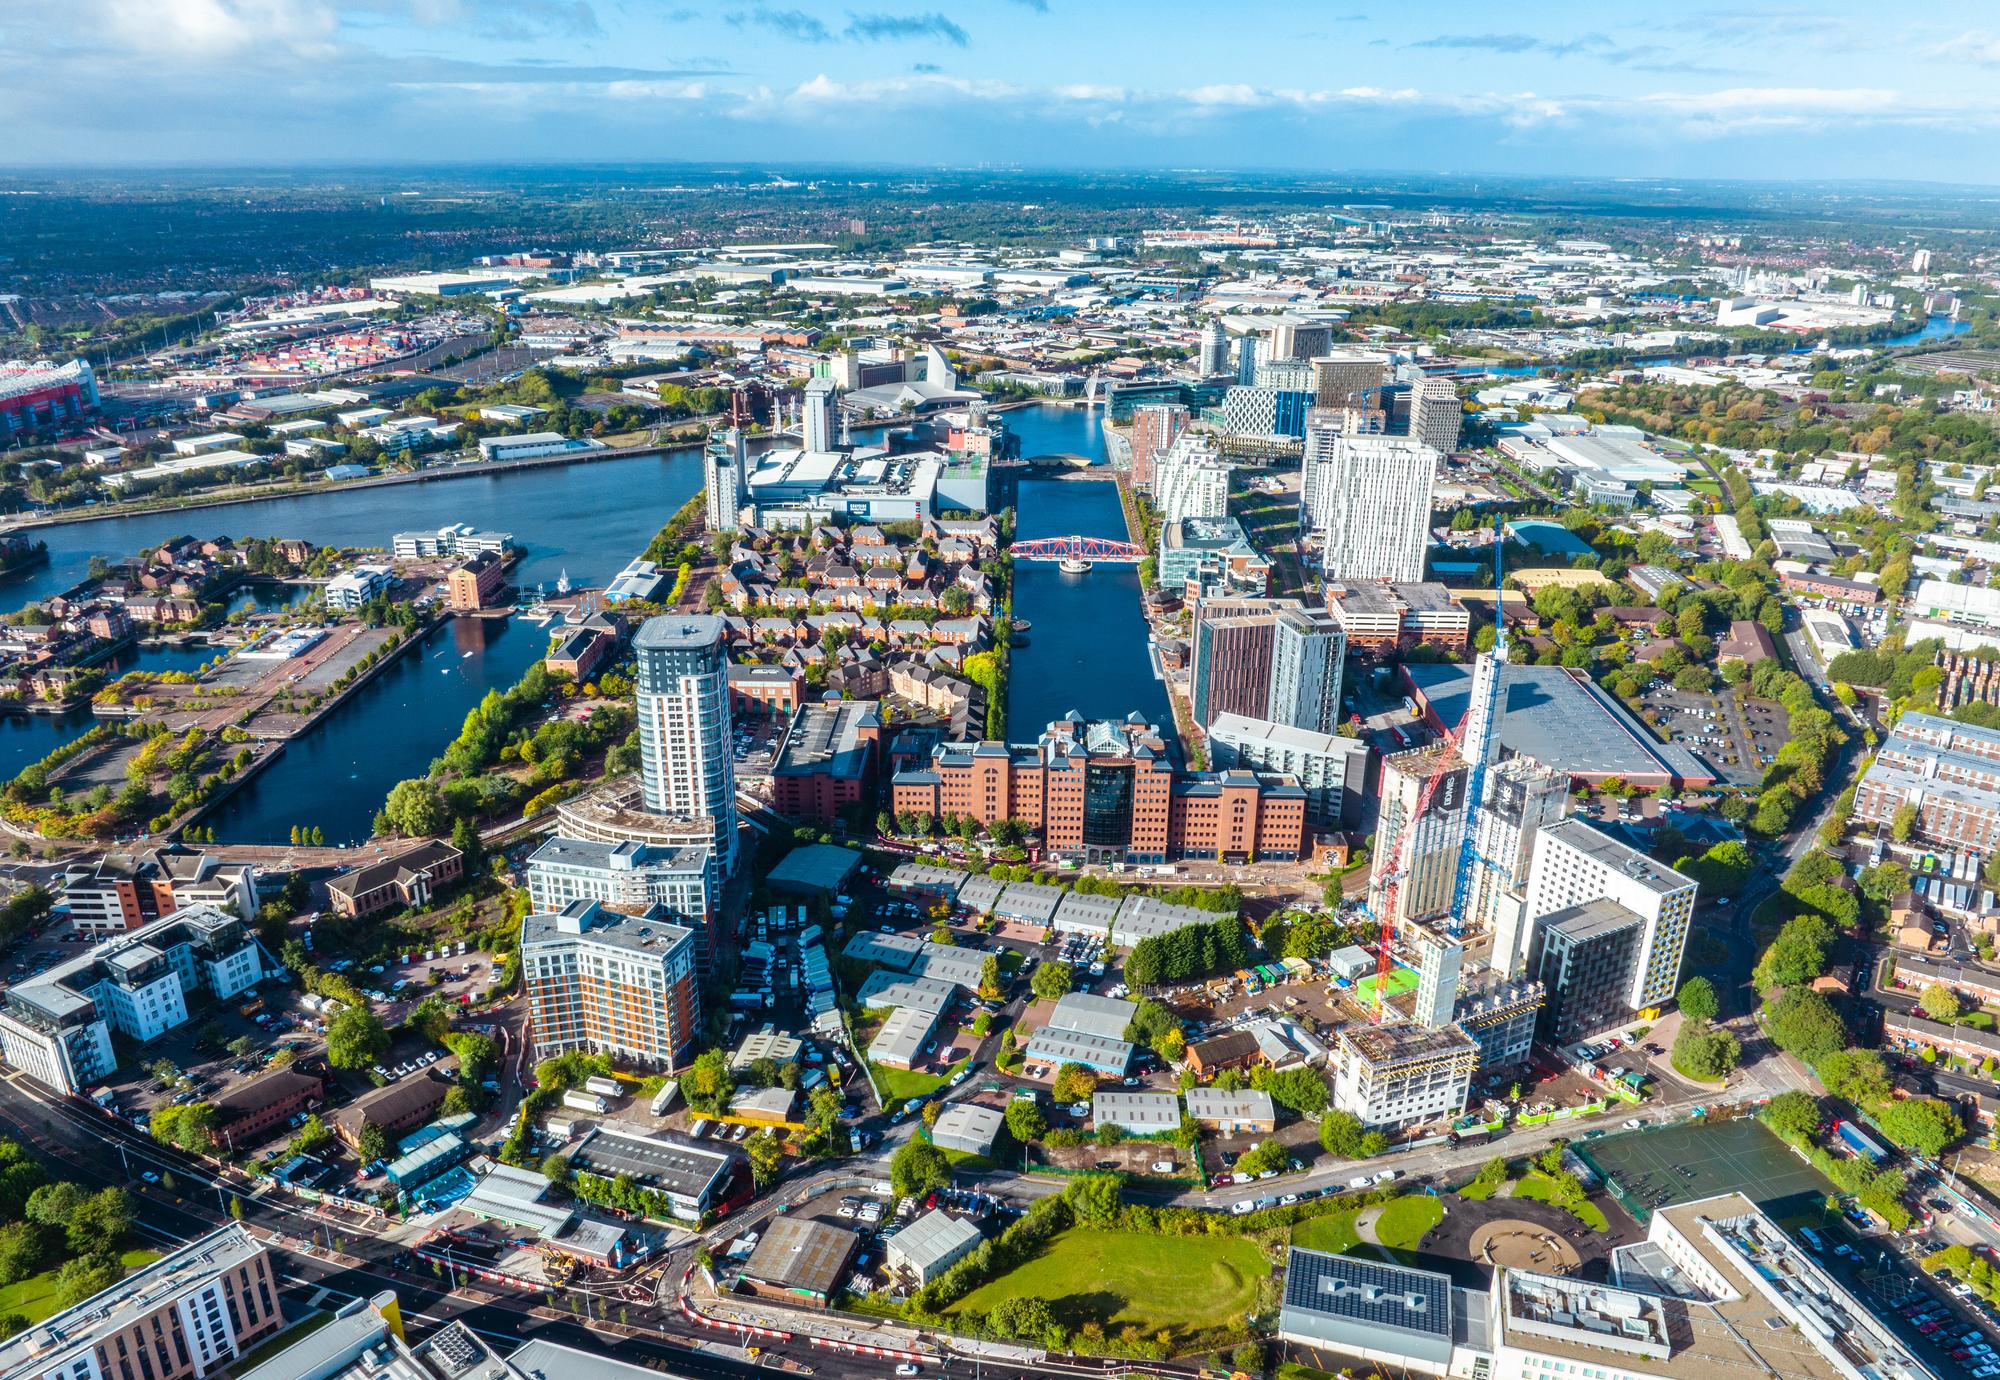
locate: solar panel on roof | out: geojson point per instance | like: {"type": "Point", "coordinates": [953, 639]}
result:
{"type": "Point", "coordinates": [1363, 1291]}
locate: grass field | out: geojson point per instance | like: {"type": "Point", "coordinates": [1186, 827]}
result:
{"type": "Point", "coordinates": [900, 1085]}
{"type": "Point", "coordinates": [1333, 1233]}
{"type": "Point", "coordinates": [34, 1298]}
{"type": "Point", "coordinates": [1401, 980]}
{"type": "Point", "coordinates": [1185, 1285]}
{"type": "Point", "coordinates": [1404, 1222]}
{"type": "Point", "coordinates": [1537, 1185]}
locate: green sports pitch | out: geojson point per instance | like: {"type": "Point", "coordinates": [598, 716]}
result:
{"type": "Point", "coordinates": [1738, 1156]}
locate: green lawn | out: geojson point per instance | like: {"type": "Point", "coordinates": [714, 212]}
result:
{"type": "Point", "coordinates": [900, 1085]}
{"type": "Point", "coordinates": [1185, 1285]}
{"type": "Point", "coordinates": [1333, 1233]}
{"type": "Point", "coordinates": [1537, 1185]}
{"type": "Point", "coordinates": [1404, 1222]}
{"type": "Point", "coordinates": [34, 1298]}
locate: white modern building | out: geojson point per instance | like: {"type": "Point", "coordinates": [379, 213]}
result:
{"type": "Point", "coordinates": [725, 479]}
{"type": "Point", "coordinates": [459, 539]}
{"type": "Point", "coordinates": [1191, 480]}
{"type": "Point", "coordinates": [1332, 770]}
{"type": "Point", "coordinates": [1716, 1289]}
{"type": "Point", "coordinates": [350, 589]}
{"type": "Point", "coordinates": [627, 876]}
{"type": "Point", "coordinates": [1214, 353]}
{"type": "Point", "coordinates": [685, 765]}
{"type": "Point", "coordinates": [1368, 498]}
{"type": "Point", "coordinates": [534, 444]}
{"type": "Point", "coordinates": [1574, 864]}
{"type": "Point", "coordinates": [56, 1027]}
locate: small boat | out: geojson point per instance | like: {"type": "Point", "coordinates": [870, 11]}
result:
{"type": "Point", "coordinates": [1073, 565]}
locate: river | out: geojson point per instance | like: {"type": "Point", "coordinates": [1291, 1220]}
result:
{"type": "Point", "coordinates": [588, 518]}
{"type": "Point", "coordinates": [1087, 648]}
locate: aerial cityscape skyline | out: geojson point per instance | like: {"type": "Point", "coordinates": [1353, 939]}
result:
{"type": "Point", "coordinates": [702, 689]}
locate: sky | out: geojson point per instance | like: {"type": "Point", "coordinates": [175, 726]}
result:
{"type": "Point", "coordinates": [1837, 89]}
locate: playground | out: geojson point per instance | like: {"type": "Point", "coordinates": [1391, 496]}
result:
{"type": "Point", "coordinates": [1647, 1170]}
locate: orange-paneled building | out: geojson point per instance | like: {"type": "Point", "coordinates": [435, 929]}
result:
{"type": "Point", "coordinates": [609, 983]}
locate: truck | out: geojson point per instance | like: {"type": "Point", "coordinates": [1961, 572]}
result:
{"type": "Point", "coordinates": [664, 1098]}
{"type": "Point", "coordinates": [1860, 1142]}
{"type": "Point", "coordinates": [579, 1101]}
{"type": "Point", "coordinates": [603, 1087]}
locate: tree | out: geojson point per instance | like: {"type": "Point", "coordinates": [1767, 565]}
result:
{"type": "Point", "coordinates": [1796, 956]}
{"type": "Point", "coordinates": [1903, 823]}
{"type": "Point", "coordinates": [1052, 981]}
{"type": "Point", "coordinates": [707, 1084]}
{"type": "Point", "coordinates": [78, 1279]}
{"type": "Point", "coordinates": [1697, 1001]}
{"type": "Point", "coordinates": [1025, 1121]}
{"type": "Point", "coordinates": [1793, 1115]}
{"type": "Point", "coordinates": [1027, 1318]}
{"type": "Point", "coordinates": [99, 1223]}
{"type": "Point", "coordinates": [476, 1053]}
{"type": "Point", "coordinates": [1302, 1089]}
{"type": "Point", "coordinates": [20, 1252]}
{"type": "Point", "coordinates": [1923, 1124]}
{"type": "Point", "coordinates": [1860, 1076]}
{"type": "Point", "coordinates": [430, 1018]}
{"type": "Point", "coordinates": [1705, 1053]}
{"type": "Point", "coordinates": [1094, 1199]}
{"type": "Point", "coordinates": [1940, 1003]}
{"type": "Point", "coordinates": [355, 1038]}
{"type": "Point", "coordinates": [1074, 1083]}
{"type": "Point", "coordinates": [52, 1205]}
{"type": "Point", "coordinates": [373, 1141]}
{"type": "Point", "coordinates": [1340, 1134]}
{"type": "Point", "coordinates": [191, 1126]}
{"type": "Point", "coordinates": [918, 1169]}
{"type": "Point", "coordinates": [416, 808]}
{"type": "Point", "coordinates": [766, 1151]}
{"type": "Point", "coordinates": [989, 977]}
{"type": "Point", "coordinates": [1805, 1025]}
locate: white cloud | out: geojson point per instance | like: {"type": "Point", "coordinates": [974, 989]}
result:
{"type": "Point", "coordinates": [207, 30]}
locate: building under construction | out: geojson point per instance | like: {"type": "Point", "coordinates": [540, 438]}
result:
{"type": "Point", "coordinates": [1403, 1074]}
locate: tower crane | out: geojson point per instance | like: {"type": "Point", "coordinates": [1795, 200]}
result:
{"type": "Point", "coordinates": [1472, 740]}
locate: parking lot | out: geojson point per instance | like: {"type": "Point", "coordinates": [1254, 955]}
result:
{"type": "Point", "coordinates": [1733, 732]}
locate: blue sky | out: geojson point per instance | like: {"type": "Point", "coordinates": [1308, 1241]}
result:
{"type": "Point", "coordinates": [1837, 89]}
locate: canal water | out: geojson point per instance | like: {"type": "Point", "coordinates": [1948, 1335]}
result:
{"type": "Point", "coordinates": [1087, 647]}
{"type": "Point", "coordinates": [26, 738]}
{"type": "Point", "coordinates": [1087, 651]}
{"type": "Point", "coordinates": [337, 775]}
